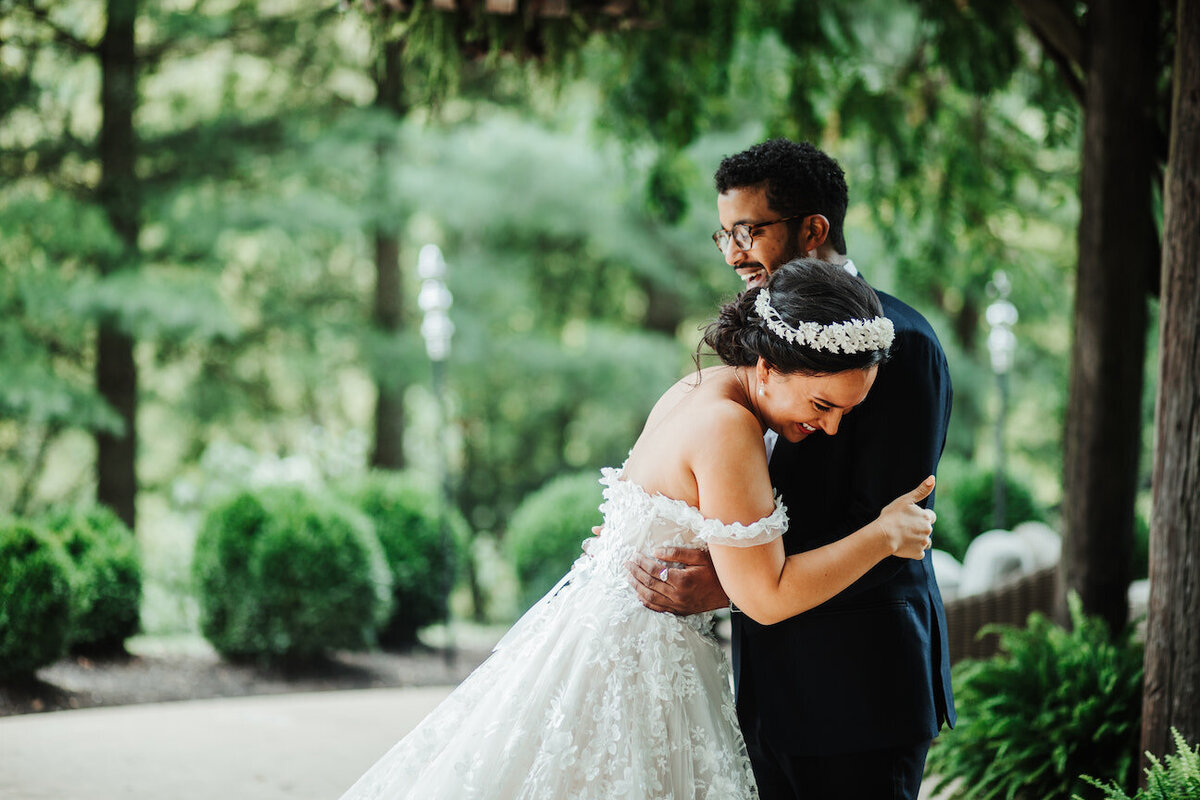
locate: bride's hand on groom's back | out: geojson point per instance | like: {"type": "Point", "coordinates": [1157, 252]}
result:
{"type": "Point", "coordinates": [908, 527]}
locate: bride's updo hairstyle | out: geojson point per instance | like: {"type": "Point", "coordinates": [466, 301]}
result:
{"type": "Point", "coordinates": [802, 291]}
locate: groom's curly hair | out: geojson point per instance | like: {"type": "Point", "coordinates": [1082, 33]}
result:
{"type": "Point", "coordinates": [802, 290]}
{"type": "Point", "coordinates": [799, 178]}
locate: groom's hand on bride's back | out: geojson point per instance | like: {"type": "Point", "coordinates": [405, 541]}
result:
{"type": "Point", "coordinates": [680, 580]}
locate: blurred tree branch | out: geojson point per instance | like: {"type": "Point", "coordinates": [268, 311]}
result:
{"type": "Point", "coordinates": [1061, 36]}
{"type": "Point", "coordinates": [61, 35]}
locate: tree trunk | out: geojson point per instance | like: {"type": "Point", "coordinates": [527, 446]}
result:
{"type": "Point", "coordinates": [116, 369]}
{"type": "Point", "coordinates": [1103, 425]}
{"type": "Point", "coordinates": [1172, 689]}
{"type": "Point", "coordinates": [388, 452]}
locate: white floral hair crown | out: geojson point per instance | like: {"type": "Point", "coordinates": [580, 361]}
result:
{"type": "Point", "coordinates": [852, 336]}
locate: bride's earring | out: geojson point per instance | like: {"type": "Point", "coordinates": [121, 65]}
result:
{"type": "Point", "coordinates": [761, 392]}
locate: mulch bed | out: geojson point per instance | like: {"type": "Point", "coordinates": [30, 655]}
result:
{"type": "Point", "coordinates": [123, 679]}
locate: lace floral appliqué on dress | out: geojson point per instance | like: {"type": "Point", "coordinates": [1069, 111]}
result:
{"type": "Point", "coordinates": [590, 694]}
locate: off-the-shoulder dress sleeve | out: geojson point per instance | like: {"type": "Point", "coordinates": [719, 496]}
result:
{"type": "Point", "coordinates": [709, 531]}
{"type": "Point", "coordinates": [763, 531]}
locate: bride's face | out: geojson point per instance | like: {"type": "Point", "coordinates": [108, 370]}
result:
{"type": "Point", "coordinates": [797, 405]}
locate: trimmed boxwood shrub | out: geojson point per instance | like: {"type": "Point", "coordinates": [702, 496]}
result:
{"type": "Point", "coordinates": [106, 576]}
{"type": "Point", "coordinates": [405, 516]}
{"type": "Point", "coordinates": [965, 507]}
{"type": "Point", "coordinates": [35, 600]}
{"type": "Point", "coordinates": [1054, 705]}
{"type": "Point", "coordinates": [546, 530]}
{"type": "Point", "coordinates": [285, 574]}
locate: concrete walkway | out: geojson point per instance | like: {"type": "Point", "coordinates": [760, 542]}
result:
{"type": "Point", "coordinates": [276, 747]}
{"type": "Point", "coordinates": [265, 748]}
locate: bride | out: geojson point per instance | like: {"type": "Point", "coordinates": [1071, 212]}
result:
{"type": "Point", "coordinates": [590, 694]}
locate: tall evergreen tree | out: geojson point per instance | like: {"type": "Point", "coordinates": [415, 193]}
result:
{"type": "Point", "coordinates": [1113, 60]}
{"type": "Point", "coordinates": [388, 318]}
{"type": "Point", "coordinates": [120, 195]}
{"type": "Point", "coordinates": [1172, 692]}
{"type": "Point", "coordinates": [118, 227]}
{"type": "Point", "coordinates": [49, 228]}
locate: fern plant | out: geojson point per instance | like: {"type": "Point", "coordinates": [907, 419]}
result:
{"type": "Point", "coordinates": [1054, 705]}
{"type": "Point", "coordinates": [1177, 779]}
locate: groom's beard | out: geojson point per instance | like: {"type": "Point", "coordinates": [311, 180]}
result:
{"type": "Point", "coordinates": [755, 274]}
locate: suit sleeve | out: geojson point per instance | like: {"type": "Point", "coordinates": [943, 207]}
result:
{"type": "Point", "coordinates": [897, 438]}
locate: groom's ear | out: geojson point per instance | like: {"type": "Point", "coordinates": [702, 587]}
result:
{"type": "Point", "coordinates": [814, 230]}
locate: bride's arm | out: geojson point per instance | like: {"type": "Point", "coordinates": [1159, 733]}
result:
{"type": "Point", "coordinates": [762, 581]}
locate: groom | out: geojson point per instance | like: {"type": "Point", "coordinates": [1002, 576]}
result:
{"type": "Point", "coordinates": [841, 701]}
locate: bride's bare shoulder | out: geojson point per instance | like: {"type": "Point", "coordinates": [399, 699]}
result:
{"type": "Point", "coordinates": [704, 382]}
{"type": "Point", "coordinates": [695, 421]}
{"type": "Point", "coordinates": [710, 403]}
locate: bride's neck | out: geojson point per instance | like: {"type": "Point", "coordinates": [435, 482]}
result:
{"type": "Point", "coordinates": [745, 380]}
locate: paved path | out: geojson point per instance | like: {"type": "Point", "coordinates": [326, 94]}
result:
{"type": "Point", "coordinates": [277, 747]}
{"type": "Point", "coordinates": [265, 748]}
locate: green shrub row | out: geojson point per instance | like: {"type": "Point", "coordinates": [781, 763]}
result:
{"type": "Point", "coordinates": [547, 529]}
{"type": "Point", "coordinates": [286, 574]}
{"type": "Point", "coordinates": [106, 580]}
{"type": "Point", "coordinates": [423, 567]}
{"type": "Point", "coordinates": [965, 506]}
{"type": "Point", "coordinates": [70, 581]}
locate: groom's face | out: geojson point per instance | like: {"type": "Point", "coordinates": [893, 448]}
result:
{"type": "Point", "coordinates": [772, 245]}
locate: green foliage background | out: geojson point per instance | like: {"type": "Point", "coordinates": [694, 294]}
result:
{"type": "Point", "coordinates": [547, 529]}
{"type": "Point", "coordinates": [565, 173]}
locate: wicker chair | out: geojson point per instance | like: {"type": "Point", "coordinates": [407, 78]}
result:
{"type": "Point", "coordinates": [1008, 604]}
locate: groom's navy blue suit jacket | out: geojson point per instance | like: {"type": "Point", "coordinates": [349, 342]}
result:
{"type": "Point", "coordinates": [870, 668]}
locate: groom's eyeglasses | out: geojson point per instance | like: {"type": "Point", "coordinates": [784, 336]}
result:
{"type": "Point", "coordinates": [743, 233]}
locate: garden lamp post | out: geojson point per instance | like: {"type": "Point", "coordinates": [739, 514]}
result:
{"type": "Point", "coordinates": [434, 301]}
{"type": "Point", "coordinates": [1002, 343]}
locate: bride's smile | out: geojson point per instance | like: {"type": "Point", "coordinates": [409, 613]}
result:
{"type": "Point", "coordinates": [796, 405]}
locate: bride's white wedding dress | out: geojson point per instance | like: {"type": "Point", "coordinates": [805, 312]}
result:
{"type": "Point", "coordinates": [591, 695]}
